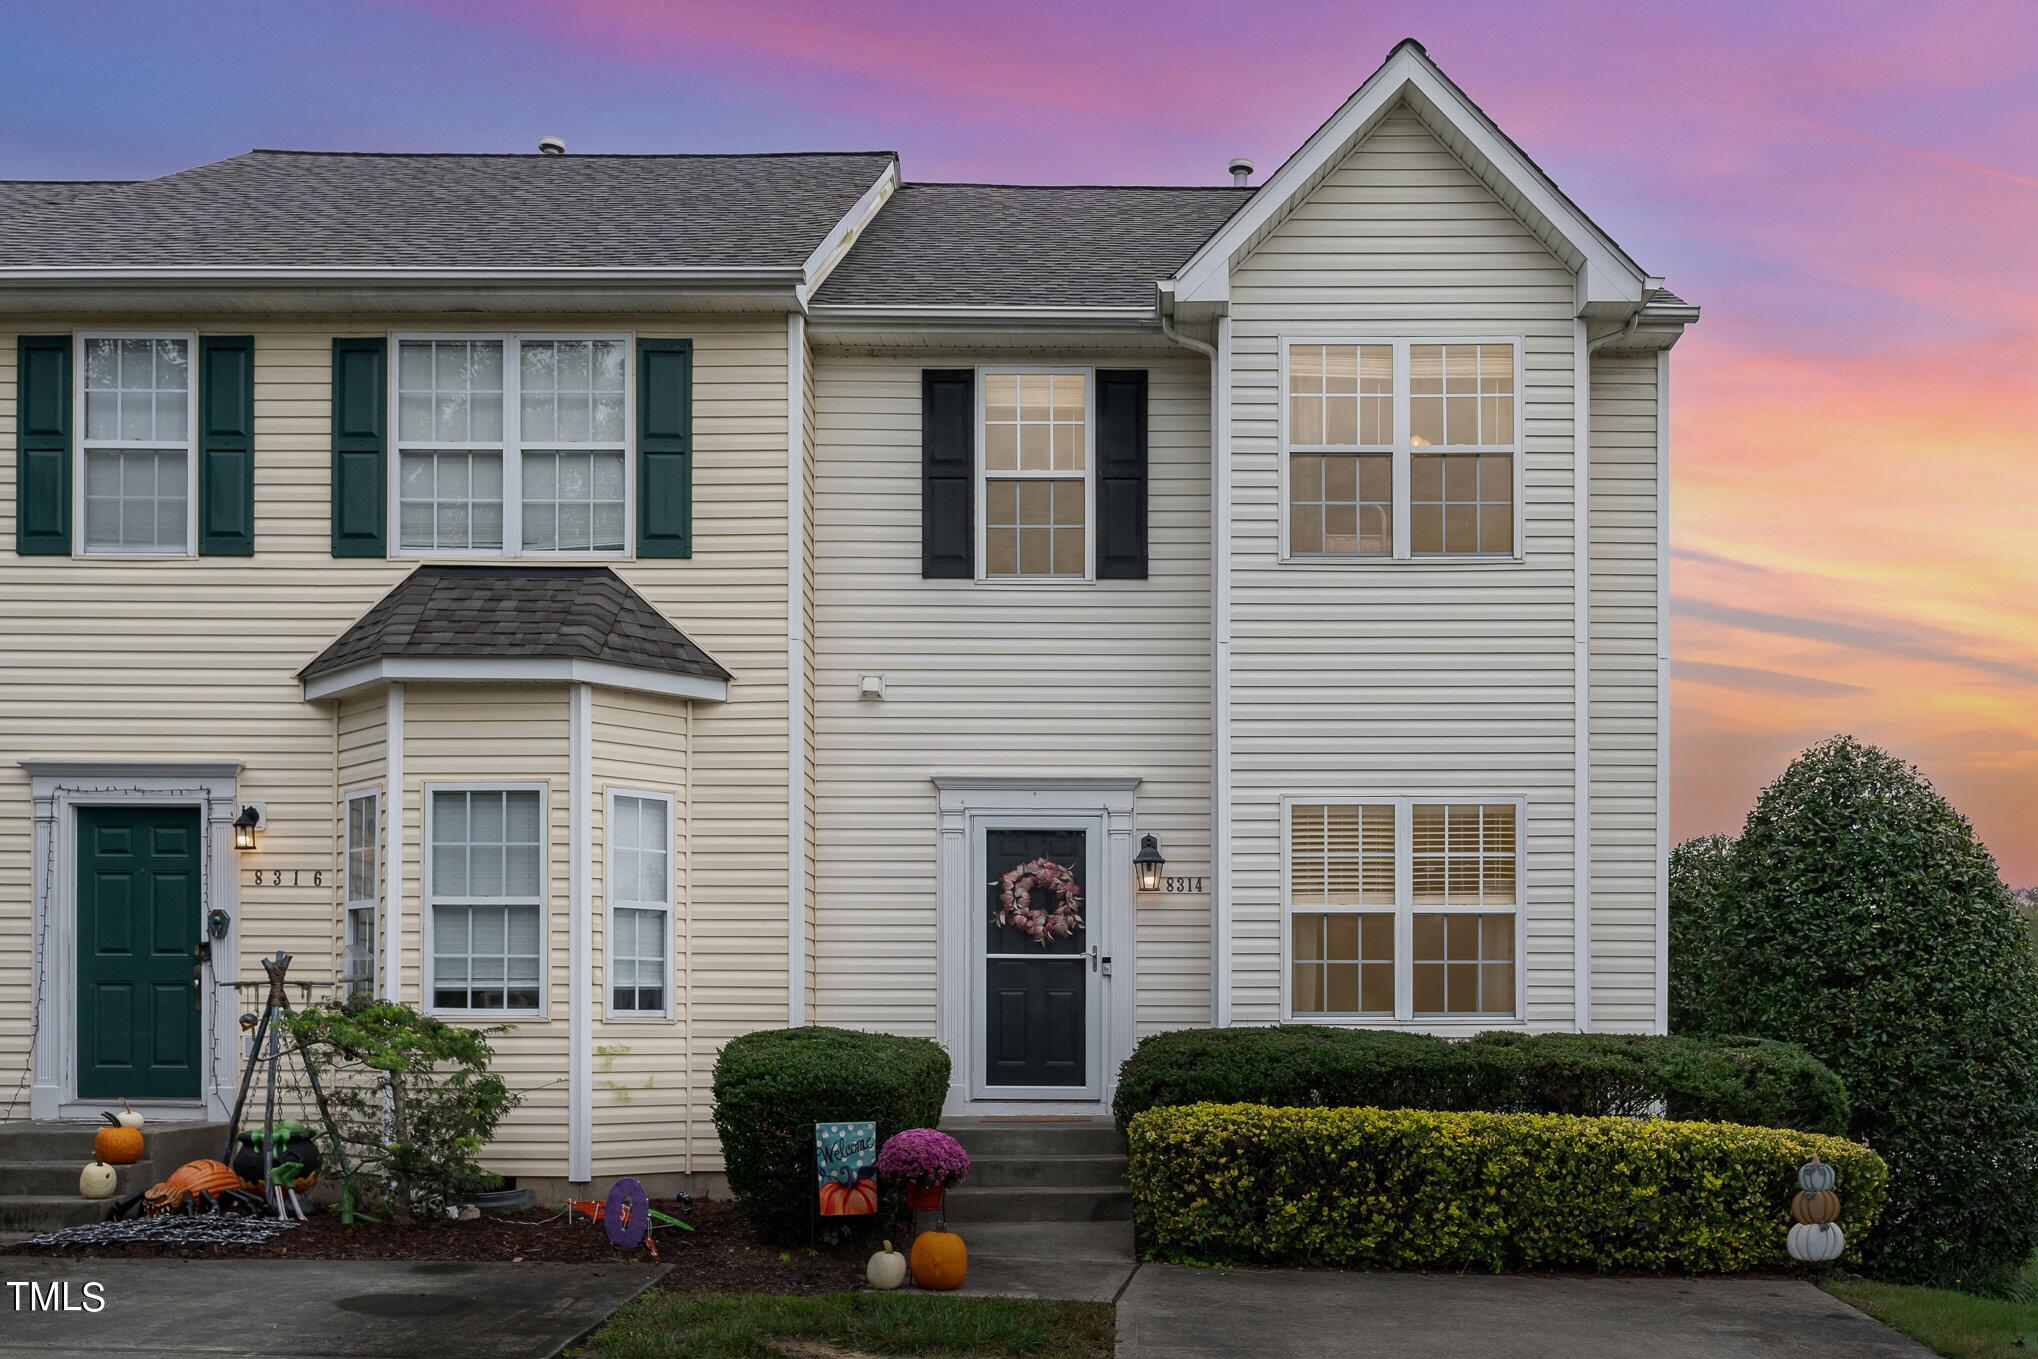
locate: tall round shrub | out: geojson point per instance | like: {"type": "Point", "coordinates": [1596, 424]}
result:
{"type": "Point", "coordinates": [1699, 870]}
{"type": "Point", "coordinates": [773, 1086]}
{"type": "Point", "coordinates": [1864, 920]}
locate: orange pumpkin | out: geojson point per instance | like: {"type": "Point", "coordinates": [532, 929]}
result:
{"type": "Point", "coordinates": [116, 1145]}
{"type": "Point", "coordinates": [1815, 1205]}
{"type": "Point", "coordinates": [848, 1200]}
{"type": "Point", "coordinates": [940, 1260]}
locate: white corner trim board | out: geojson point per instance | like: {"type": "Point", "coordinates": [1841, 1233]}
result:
{"type": "Point", "coordinates": [1581, 608]}
{"type": "Point", "coordinates": [1662, 691]}
{"type": "Point", "coordinates": [392, 857]}
{"type": "Point", "coordinates": [796, 672]}
{"type": "Point", "coordinates": [1220, 690]}
{"type": "Point", "coordinates": [580, 937]}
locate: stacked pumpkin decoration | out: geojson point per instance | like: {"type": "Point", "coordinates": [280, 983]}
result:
{"type": "Point", "coordinates": [119, 1143]}
{"type": "Point", "coordinates": [1816, 1237]}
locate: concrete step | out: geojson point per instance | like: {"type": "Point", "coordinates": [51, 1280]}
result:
{"type": "Point", "coordinates": [1036, 1137]}
{"type": "Point", "coordinates": [1087, 1242]}
{"type": "Point", "coordinates": [173, 1143]}
{"type": "Point", "coordinates": [1093, 1203]}
{"type": "Point", "coordinates": [37, 1178]}
{"type": "Point", "coordinates": [1002, 1172]}
{"type": "Point", "coordinates": [47, 1212]}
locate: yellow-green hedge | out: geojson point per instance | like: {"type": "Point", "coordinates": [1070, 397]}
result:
{"type": "Point", "coordinates": [1414, 1189]}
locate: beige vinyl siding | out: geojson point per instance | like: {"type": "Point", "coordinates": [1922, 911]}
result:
{"type": "Point", "coordinates": [1624, 709]}
{"type": "Point", "coordinates": [197, 658]}
{"type": "Point", "coordinates": [641, 1088]}
{"type": "Point", "coordinates": [1448, 678]}
{"type": "Point", "coordinates": [1106, 677]}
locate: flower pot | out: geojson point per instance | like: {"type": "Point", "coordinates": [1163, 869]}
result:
{"type": "Point", "coordinates": [923, 1196]}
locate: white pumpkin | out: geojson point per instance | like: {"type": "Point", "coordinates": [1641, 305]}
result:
{"type": "Point", "coordinates": [1815, 1243]}
{"type": "Point", "coordinates": [1815, 1175]}
{"type": "Point", "coordinates": [98, 1181]}
{"type": "Point", "coordinates": [127, 1117]}
{"type": "Point", "coordinates": [887, 1269]}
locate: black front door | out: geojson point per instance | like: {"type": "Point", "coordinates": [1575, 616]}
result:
{"type": "Point", "coordinates": [1035, 994]}
{"type": "Point", "coordinates": [137, 922]}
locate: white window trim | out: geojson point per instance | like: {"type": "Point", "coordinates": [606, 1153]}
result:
{"type": "Point", "coordinates": [371, 903]}
{"type": "Point", "coordinates": [427, 950]}
{"type": "Point", "coordinates": [1403, 455]}
{"type": "Point", "coordinates": [609, 904]}
{"type": "Point", "coordinates": [78, 442]}
{"type": "Point", "coordinates": [1404, 910]}
{"type": "Point", "coordinates": [512, 448]}
{"type": "Point", "coordinates": [980, 498]}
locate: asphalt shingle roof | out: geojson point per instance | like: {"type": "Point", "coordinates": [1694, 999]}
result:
{"type": "Point", "coordinates": [1015, 245]}
{"type": "Point", "coordinates": [312, 209]}
{"type": "Point", "coordinates": [19, 194]}
{"type": "Point", "coordinates": [562, 612]}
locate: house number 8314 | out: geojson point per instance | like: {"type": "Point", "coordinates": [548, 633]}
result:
{"type": "Point", "coordinates": [1183, 885]}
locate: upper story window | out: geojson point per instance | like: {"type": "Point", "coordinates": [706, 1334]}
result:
{"type": "Point", "coordinates": [138, 472]}
{"type": "Point", "coordinates": [1035, 463]}
{"type": "Point", "coordinates": [513, 445]}
{"type": "Point", "coordinates": [1401, 449]}
{"type": "Point", "coordinates": [1403, 909]}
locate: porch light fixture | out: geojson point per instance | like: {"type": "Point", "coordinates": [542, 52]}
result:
{"type": "Point", "coordinates": [1149, 863]}
{"type": "Point", "coordinates": [244, 827]}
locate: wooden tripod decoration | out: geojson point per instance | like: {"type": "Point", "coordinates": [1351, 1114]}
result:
{"type": "Point", "coordinates": [267, 1028]}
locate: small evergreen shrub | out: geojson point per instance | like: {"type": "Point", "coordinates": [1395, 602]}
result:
{"type": "Point", "coordinates": [1699, 870]}
{"type": "Point", "coordinates": [1733, 1080]}
{"type": "Point", "coordinates": [773, 1086]}
{"type": "Point", "coordinates": [1863, 919]}
{"type": "Point", "coordinates": [1416, 1189]}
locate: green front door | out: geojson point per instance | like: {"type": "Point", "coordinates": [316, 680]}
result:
{"type": "Point", "coordinates": [138, 1014]}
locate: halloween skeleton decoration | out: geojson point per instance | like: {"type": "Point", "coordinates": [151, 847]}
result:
{"type": "Point", "coordinates": [293, 1162]}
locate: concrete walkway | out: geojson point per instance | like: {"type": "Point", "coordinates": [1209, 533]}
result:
{"type": "Point", "coordinates": [311, 1309]}
{"type": "Point", "coordinates": [1168, 1312]}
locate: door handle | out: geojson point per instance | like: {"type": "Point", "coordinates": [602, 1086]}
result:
{"type": "Point", "coordinates": [1093, 957]}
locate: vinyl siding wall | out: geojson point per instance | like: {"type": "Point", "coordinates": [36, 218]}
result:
{"type": "Point", "coordinates": [197, 658]}
{"type": "Point", "coordinates": [1105, 677]}
{"type": "Point", "coordinates": [1384, 677]}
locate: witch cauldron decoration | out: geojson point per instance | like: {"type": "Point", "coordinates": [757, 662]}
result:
{"type": "Point", "coordinates": [1015, 901]}
{"type": "Point", "coordinates": [1815, 1236]}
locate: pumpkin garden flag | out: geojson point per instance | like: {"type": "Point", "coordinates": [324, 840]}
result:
{"type": "Point", "coordinates": [845, 1155]}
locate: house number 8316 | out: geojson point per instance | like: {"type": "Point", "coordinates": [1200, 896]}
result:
{"type": "Point", "coordinates": [288, 877]}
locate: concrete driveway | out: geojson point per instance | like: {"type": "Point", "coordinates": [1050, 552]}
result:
{"type": "Point", "coordinates": [1168, 1312]}
{"type": "Point", "coordinates": [308, 1309]}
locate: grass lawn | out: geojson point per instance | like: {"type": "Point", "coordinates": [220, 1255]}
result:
{"type": "Point", "coordinates": [773, 1326]}
{"type": "Point", "coordinates": [1957, 1325]}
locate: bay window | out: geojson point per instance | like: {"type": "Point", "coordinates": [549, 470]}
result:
{"type": "Point", "coordinates": [639, 879]}
{"type": "Point", "coordinates": [513, 445]}
{"type": "Point", "coordinates": [485, 898]}
{"type": "Point", "coordinates": [1402, 908]}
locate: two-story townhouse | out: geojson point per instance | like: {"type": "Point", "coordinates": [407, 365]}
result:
{"type": "Point", "coordinates": [645, 599]}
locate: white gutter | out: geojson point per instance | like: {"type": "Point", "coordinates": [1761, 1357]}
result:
{"type": "Point", "coordinates": [358, 274]}
{"type": "Point", "coordinates": [580, 935]}
{"type": "Point", "coordinates": [844, 314]}
{"type": "Point", "coordinates": [1220, 647]}
{"type": "Point", "coordinates": [796, 673]}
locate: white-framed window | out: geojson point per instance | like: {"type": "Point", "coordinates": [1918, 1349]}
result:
{"type": "Point", "coordinates": [361, 883]}
{"type": "Point", "coordinates": [513, 445]}
{"type": "Point", "coordinates": [1403, 908]}
{"type": "Point", "coordinates": [1400, 449]}
{"type": "Point", "coordinates": [485, 897]}
{"type": "Point", "coordinates": [137, 474]}
{"type": "Point", "coordinates": [1036, 483]}
{"type": "Point", "coordinates": [638, 873]}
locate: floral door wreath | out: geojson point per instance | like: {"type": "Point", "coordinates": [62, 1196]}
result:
{"type": "Point", "coordinates": [1015, 901]}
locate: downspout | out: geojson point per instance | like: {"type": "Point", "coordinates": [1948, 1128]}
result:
{"type": "Point", "coordinates": [797, 697]}
{"type": "Point", "coordinates": [1220, 646]}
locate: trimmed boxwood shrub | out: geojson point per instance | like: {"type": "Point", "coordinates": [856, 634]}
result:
{"type": "Point", "coordinates": [1418, 1189]}
{"type": "Point", "coordinates": [773, 1086]}
{"type": "Point", "coordinates": [1862, 918]}
{"type": "Point", "coordinates": [1733, 1080]}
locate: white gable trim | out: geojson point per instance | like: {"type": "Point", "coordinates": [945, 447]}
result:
{"type": "Point", "coordinates": [512, 670]}
{"type": "Point", "coordinates": [1606, 276]}
{"type": "Point", "coordinates": [846, 232]}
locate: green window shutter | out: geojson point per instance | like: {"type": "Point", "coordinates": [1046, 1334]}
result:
{"type": "Point", "coordinates": [665, 448]}
{"type": "Point", "coordinates": [360, 447]}
{"type": "Point", "coordinates": [226, 446]}
{"type": "Point", "coordinates": [42, 446]}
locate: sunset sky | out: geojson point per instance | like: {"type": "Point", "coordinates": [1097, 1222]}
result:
{"type": "Point", "coordinates": [1850, 190]}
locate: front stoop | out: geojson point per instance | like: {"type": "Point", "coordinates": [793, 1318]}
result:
{"type": "Point", "coordinates": [39, 1165]}
{"type": "Point", "coordinates": [1045, 1211]}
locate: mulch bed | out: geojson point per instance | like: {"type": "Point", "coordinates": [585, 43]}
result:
{"type": "Point", "coordinates": [720, 1255]}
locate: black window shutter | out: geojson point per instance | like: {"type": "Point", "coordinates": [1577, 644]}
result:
{"type": "Point", "coordinates": [948, 423]}
{"type": "Point", "coordinates": [226, 445]}
{"type": "Point", "coordinates": [665, 448]}
{"type": "Point", "coordinates": [360, 447]}
{"type": "Point", "coordinates": [42, 444]}
{"type": "Point", "coordinates": [1121, 474]}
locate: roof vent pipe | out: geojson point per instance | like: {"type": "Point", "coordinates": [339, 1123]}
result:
{"type": "Point", "coordinates": [551, 146]}
{"type": "Point", "coordinates": [1241, 172]}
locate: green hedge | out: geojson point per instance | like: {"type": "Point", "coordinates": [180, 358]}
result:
{"type": "Point", "coordinates": [1727, 1080]}
{"type": "Point", "coordinates": [773, 1086]}
{"type": "Point", "coordinates": [1415, 1189]}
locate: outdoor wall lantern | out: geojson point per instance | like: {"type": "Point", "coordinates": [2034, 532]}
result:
{"type": "Point", "coordinates": [1149, 863]}
{"type": "Point", "coordinates": [245, 826]}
